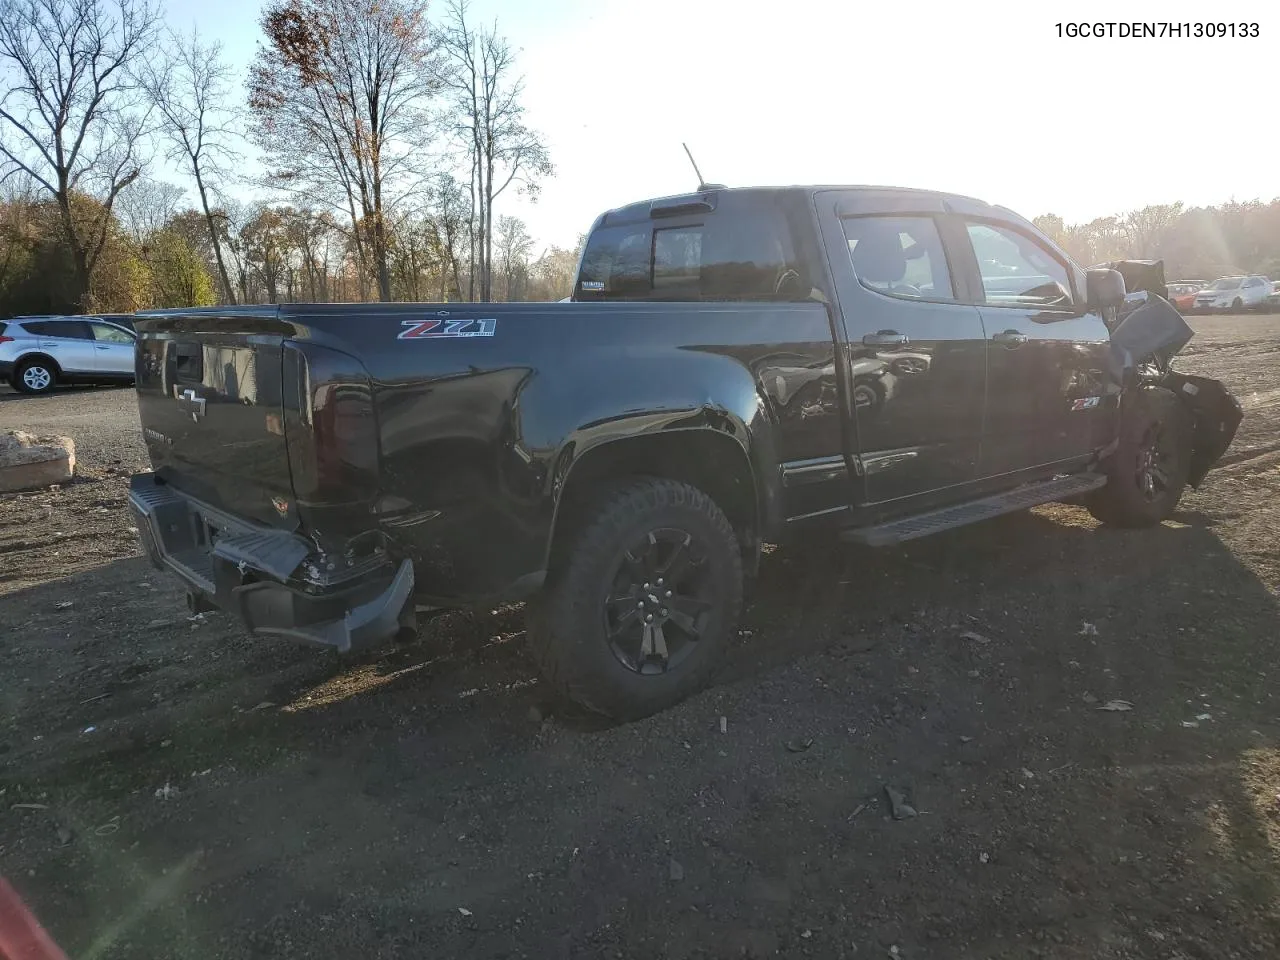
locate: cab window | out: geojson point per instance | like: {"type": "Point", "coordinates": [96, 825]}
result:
{"type": "Point", "coordinates": [743, 250]}
{"type": "Point", "coordinates": [1017, 271]}
{"type": "Point", "coordinates": [899, 256]}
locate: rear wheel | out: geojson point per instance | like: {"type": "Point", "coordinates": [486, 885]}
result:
{"type": "Point", "coordinates": [1148, 471]}
{"type": "Point", "coordinates": [642, 609]}
{"type": "Point", "coordinates": [35, 376]}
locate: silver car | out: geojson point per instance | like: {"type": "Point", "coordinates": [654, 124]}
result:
{"type": "Point", "coordinates": [38, 353]}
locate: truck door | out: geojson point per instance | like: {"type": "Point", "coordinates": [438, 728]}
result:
{"type": "Point", "coordinates": [1049, 397]}
{"type": "Point", "coordinates": [914, 364]}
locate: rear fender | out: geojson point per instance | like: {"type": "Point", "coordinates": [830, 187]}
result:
{"type": "Point", "coordinates": [1215, 414]}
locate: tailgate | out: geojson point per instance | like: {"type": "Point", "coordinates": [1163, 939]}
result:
{"type": "Point", "coordinates": [211, 402]}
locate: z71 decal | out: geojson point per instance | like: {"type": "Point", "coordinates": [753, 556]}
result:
{"type": "Point", "coordinates": [437, 329]}
{"type": "Point", "coordinates": [1085, 403]}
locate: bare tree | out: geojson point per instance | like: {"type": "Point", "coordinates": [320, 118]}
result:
{"type": "Point", "coordinates": [189, 88]}
{"type": "Point", "coordinates": [514, 246]}
{"type": "Point", "coordinates": [340, 98]}
{"type": "Point", "coordinates": [147, 206]}
{"type": "Point", "coordinates": [500, 149]}
{"type": "Point", "coordinates": [68, 116]}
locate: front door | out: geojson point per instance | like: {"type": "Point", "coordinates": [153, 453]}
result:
{"type": "Point", "coordinates": [914, 370]}
{"type": "Point", "coordinates": [1049, 396]}
{"type": "Point", "coordinates": [113, 350]}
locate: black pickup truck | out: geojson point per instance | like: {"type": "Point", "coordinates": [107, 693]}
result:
{"type": "Point", "coordinates": [736, 366]}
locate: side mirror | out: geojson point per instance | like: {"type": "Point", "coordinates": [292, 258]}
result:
{"type": "Point", "coordinates": [1104, 288]}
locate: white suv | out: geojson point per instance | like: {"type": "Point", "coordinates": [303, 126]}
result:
{"type": "Point", "coordinates": [37, 353]}
{"type": "Point", "coordinates": [1234, 293]}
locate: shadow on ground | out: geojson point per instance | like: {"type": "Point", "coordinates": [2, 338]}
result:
{"type": "Point", "coordinates": [239, 798]}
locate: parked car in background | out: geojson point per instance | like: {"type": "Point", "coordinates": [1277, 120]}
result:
{"type": "Point", "coordinates": [38, 353]}
{"type": "Point", "coordinates": [1182, 294]}
{"type": "Point", "coordinates": [1234, 293]}
{"type": "Point", "coordinates": [1272, 303]}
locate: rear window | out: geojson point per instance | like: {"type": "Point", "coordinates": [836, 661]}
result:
{"type": "Point", "coordinates": [743, 250]}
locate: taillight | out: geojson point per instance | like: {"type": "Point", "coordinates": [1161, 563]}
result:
{"type": "Point", "coordinates": [330, 429]}
{"type": "Point", "coordinates": [7, 339]}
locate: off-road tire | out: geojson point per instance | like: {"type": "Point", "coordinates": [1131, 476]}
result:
{"type": "Point", "coordinates": [566, 623]}
{"type": "Point", "coordinates": [1123, 502]}
{"type": "Point", "coordinates": [19, 375]}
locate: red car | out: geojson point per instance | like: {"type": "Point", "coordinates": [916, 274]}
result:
{"type": "Point", "coordinates": [1182, 294]}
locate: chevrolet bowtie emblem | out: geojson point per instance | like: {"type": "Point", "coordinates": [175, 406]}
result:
{"type": "Point", "coordinates": [191, 404]}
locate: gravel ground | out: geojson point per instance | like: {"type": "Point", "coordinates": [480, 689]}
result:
{"type": "Point", "coordinates": [171, 788]}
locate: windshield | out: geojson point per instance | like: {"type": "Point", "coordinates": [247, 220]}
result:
{"type": "Point", "coordinates": [1226, 283]}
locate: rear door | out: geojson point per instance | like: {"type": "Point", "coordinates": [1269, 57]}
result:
{"type": "Point", "coordinates": [1050, 399]}
{"type": "Point", "coordinates": [113, 349]}
{"type": "Point", "coordinates": [914, 373]}
{"type": "Point", "coordinates": [69, 342]}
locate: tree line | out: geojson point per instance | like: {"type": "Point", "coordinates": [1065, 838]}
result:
{"type": "Point", "coordinates": [1197, 243]}
{"type": "Point", "coordinates": [386, 140]}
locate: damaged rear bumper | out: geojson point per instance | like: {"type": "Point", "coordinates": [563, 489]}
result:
{"type": "Point", "coordinates": [248, 571]}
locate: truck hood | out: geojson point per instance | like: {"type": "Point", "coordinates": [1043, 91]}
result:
{"type": "Point", "coordinates": [1148, 329]}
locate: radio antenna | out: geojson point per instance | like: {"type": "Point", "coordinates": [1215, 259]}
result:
{"type": "Point", "coordinates": [702, 184]}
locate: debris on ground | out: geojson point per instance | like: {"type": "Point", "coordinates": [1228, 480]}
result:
{"type": "Point", "coordinates": [724, 724]}
{"type": "Point", "coordinates": [166, 792]}
{"type": "Point", "coordinates": [800, 744]}
{"type": "Point", "coordinates": [1088, 629]}
{"type": "Point", "coordinates": [674, 870]}
{"type": "Point", "coordinates": [28, 461]}
{"type": "Point", "coordinates": [974, 636]}
{"type": "Point", "coordinates": [899, 809]}
{"type": "Point", "coordinates": [1088, 698]}
{"type": "Point", "coordinates": [1117, 706]}
{"type": "Point", "coordinates": [984, 858]}
{"type": "Point", "coordinates": [64, 604]}
{"type": "Point", "coordinates": [857, 810]}
{"type": "Point", "coordinates": [464, 911]}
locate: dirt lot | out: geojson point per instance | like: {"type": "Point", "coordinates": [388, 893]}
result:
{"type": "Point", "coordinates": [170, 788]}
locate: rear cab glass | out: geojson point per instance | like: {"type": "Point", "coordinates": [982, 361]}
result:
{"type": "Point", "coordinates": [746, 247]}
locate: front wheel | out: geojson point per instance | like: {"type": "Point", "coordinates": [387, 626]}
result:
{"type": "Point", "coordinates": [642, 609]}
{"type": "Point", "coordinates": [1148, 471]}
{"type": "Point", "coordinates": [1237, 304]}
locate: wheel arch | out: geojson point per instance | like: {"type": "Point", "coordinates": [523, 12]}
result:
{"type": "Point", "coordinates": [711, 460]}
{"type": "Point", "coordinates": [37, 355]}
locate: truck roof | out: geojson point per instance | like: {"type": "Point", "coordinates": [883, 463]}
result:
{"type": "Point", "coordinates": [642, 209]}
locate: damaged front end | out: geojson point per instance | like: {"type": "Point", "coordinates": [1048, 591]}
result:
{"type": "Point", "coordinates": [1147, 332]}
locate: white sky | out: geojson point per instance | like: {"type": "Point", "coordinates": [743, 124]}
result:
{"type": "Point", "coordinates": [978, 97]}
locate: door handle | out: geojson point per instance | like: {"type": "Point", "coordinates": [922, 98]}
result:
{"type": "Point", "coordinates": [1011, 337]}
{"type": "Point", "coordinates": [886, 338]}
{"type": "Point", "coordinates": [98, 346]}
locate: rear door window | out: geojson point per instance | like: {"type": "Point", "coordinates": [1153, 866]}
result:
{"type": "Point", "coordinates": [899, 256]}
{"type": "Point", "coordinates": [66, 329]}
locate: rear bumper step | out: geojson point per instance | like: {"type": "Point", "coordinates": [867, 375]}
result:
{"type": "Point", "coordinates": [1021, 498]}
{"type": "Point", "coordinates": [243, 569]}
